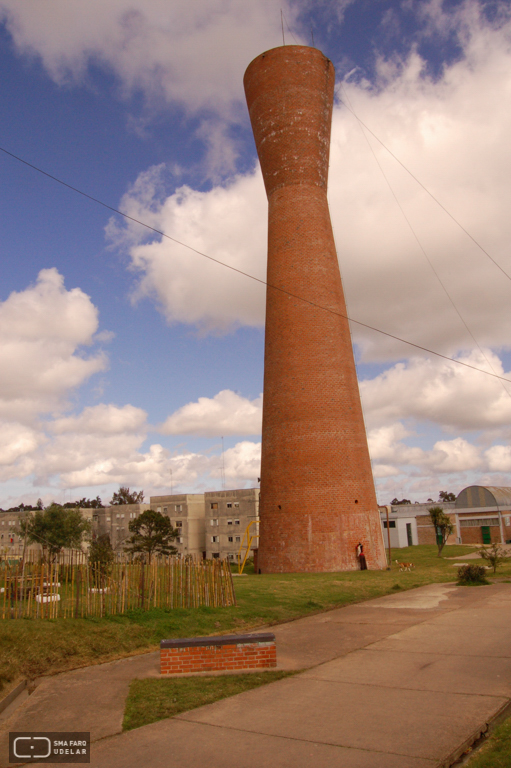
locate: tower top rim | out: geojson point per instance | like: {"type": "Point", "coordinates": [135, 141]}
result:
{"type": "Point", "coordinates": [279, 49]}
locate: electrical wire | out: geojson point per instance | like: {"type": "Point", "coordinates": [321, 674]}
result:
{"type": "Point", "coordinates": [421, 247]}
{"type": "Point", "coordinates": [289, 29]}
{"type": "Point", "coordinates": [247, 274]}
{"type": "Point", "coordinates": [432, 196]}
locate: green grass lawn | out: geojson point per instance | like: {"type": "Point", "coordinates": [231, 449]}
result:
{"type": "Point", "coordinates": [152, 700]}
{"type": "Point", "coordinates": [29, 648]}
{"type": "Point", "coordinates": [496, 752]}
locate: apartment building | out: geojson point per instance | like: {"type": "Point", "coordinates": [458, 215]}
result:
{"type": "Point", "coordinates": [114, 522]}
{"type": "Point", "coordinates": [228, 515]}
{"type": "Point", "coordinates": [186, 513]}
{"type": "Point", "coordinates": [11, 542]}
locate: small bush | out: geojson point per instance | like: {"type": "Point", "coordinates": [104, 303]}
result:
{"type": "Point", "coordinates": [472, 574]}
{"type": "Point", "coordinates": [494, 555]}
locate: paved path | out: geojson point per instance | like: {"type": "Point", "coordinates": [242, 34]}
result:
{"type": "Point", "coordinates": [403, 681]}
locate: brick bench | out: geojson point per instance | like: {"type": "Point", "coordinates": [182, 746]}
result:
{"type": "Point", "coordinates": [225, 652]}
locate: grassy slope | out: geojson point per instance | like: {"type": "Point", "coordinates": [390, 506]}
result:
{"type": "Point", "coordinates": [151, 700]}
{"type": "Point", "coordinates": [30, 648]}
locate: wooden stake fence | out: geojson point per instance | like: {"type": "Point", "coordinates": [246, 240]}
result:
{"type": "Point", "coordinates": [74, 588]}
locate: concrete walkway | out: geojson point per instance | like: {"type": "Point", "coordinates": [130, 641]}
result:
{"type": "Point", "coordinates": [404, 681]}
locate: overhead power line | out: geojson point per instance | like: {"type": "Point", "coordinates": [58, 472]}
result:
{"type": "Point", "coordinates": [419, 243]}
{"type": "Point", "coordinates": [247, 274]}
{"type": "Point", "coordinates": [428, 192]}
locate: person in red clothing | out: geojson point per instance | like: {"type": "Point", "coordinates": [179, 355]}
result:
{"type": "Point", "coordinates": [361, 557]}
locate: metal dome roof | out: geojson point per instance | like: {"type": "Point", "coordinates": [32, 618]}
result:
{"type": "Point", "coordinates": [484, 496]}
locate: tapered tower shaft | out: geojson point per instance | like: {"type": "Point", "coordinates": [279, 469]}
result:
{"type": "Point", "coordinates": [317, 491]}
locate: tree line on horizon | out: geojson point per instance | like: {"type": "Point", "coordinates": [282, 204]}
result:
{"type": "Point", "coordinates": [122, 496]}
{"type": "Point", "coordinates": [444, 496]}
{"type": "Point", "coordinates": [62, 526]}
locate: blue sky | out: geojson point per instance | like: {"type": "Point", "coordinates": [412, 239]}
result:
{"type": "Point", "coordinates": [125, 356]}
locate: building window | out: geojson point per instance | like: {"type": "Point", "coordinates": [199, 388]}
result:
{"type": "Point", "coordinates": [214, 505]}
{"type": "Point", "coordinates": [216, 555]}
{"type": "Point", "coordinates": [179, 523]}
{"type": "Point", "coordinates": [108, 519]}
{"type": "Point", "coordinates": [179, 539]}
{"type": "Point", "coordinates": [213, 521]}
{"type": "Point", "coordinates": [230, 556]}
{"type": "Point", "coordinates": [179, 507]}
{"type": "Point", "coordinates": [476, 522]}
{"type": "Point", "coordinates": [158, 509]}
{"type": "Point", "coordinates": [230, 538]}
{"type": "Point", "coordinates": [117, 517]}
{"type": "Point", "coordinates": [165, 510]}
{"type": "Point", "coordinates": [236, 522]}
{"type": "Point", "coordinates": [229, 522]}
{"type": "Point", "coordinates": [392, 523]}
{"type": "Point", "coordinates": [238, 538]}
{"type": "Point", "coordinates": [236, 503]}
{"type": "Point", "coordinates": [229, 505]}
{"type": "Point", "coordinates": [122, 517]}
{"type": "Point", "coordinates": [214, 539]}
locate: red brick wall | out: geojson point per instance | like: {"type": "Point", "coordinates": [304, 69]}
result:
{"type": "Point", "coordinates": [474, 535]}
{"type": "Point", "coordinates": [426, 533]}
{"type": "Point", "coordinates": [317, 491]}
{"type": "Point", "coordinates": [469, 534]}
{"type": "Point", "coordinates": [218, 657]}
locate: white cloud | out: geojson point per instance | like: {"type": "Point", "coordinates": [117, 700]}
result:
{"type": "Point", "coordinates": [449, 395]}
{"type": "Point", "coordinates": [103, 446]}
{"type": "Point", "coordinates": [452, 132]}
{"type": "Point", "coordinates": [103, 420]}
{"type": "Point", "coordinates": [151, 469]}
{"type": "Point", "coordinates": [242, 463]}
{"type": "Point", "coordinates": [42, 330]}
{"type": "Point", "coordinates": [228, 224]}
{"type": "Point", "coordinates": [499, 458]}
{"type": "Point", "coordinates": [384, 470]}
{"type": "Point", "coordinates": [385, 444]}
{"type": "Point", "coordinates": [391, 456]}
{"type": "Point", "coordinates": [190, 53]}
{"type": "Point", "coordinates": [16, 441]}
{"type": "Point", "coordinates": [454, 456]}
{"type": "Point", "coordinates": [227, 413]}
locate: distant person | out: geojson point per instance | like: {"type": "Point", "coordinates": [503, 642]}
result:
{"type": "Point", "coordinates": [361, 557]}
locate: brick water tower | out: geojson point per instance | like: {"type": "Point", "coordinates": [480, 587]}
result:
{"type": "Point", "coordinates": [317, 491]}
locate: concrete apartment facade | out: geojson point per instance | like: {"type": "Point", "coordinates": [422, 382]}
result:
{"type": "Point", "coordinates": [11, 543]}
{"type": "Point", "coordinates": [186, 513]}
{"type": "Point", "coordinates": [228, 515]}
{"type": "Point", "coordinates": [114, 522]}
{"type": "Point", "coordinates": [210, 524]}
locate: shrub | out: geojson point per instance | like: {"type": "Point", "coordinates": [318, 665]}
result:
{"type": "Point", "coordinates": [472, 574]}
{"type": "Point", "coordinates": [494, 555]}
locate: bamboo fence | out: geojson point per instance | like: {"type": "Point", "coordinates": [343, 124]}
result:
{"type": "Point", "coordinates": [75, 588]}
